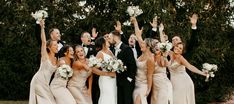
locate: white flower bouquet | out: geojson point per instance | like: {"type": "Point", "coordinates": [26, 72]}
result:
{"type": "Point", "coordinates": [39, 15]}
{"type": "Point", "coordinates": [127, 23]}
{"type": "Point", "coordinates": [65, 71]}
{"type": "Point", "coordinates": [94, 62]}
{"type": "Point", "coordinates": [134, 11]}
{"type": "Point", "coordinates": [210, 69]}
{"type": "Point", "coordinates": [165, 47]}
{"type": "Point", "coordinates": [114, 65]}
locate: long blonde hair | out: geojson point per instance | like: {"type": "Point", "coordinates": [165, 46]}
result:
{"type": "Point", "coordinates": [75, 56]}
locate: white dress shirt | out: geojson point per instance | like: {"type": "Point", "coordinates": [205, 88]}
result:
{"type": "Point", "coordinates": [60, 45]}
{"type": "Point", "coordinates": [117, 48]}
{"type": "Point", "coordinates": [85, 49]}
{"type": "Point", "coordinates": [134, 52]}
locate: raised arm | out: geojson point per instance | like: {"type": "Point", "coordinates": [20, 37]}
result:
{"type": "Point", "coordinates": [152, 33]}
{"type": "Point", "coordinates": [118, 27]}
{"type": "Point", "coordinates": [150, 71]}
{"type": "Point", "coordinates": [162, 35]}
{"type": "Point", "coordinates": [193, 21]}
{"type": "Point", "coordinates": [192, 42]}
{"type": "Point", "coordinates": [44, 54]}
{"type": "Point", "coordinates": [94, 34]}
{"type": "Point", "coordinates": [191, 67]}
{"type": "Point", "coordinates": [138, 32]}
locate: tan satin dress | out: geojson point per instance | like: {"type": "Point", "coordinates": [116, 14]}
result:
{"type": "Point", "coordinates": [183, 87]}
{"type": "Point", "coordinates": [77, 87]}
{"type": "Point", "coordinates": [40, 92]}
{"type": "Point", "coordinates": [162, 87]}
{"type": "Point", "coordinates": [59, 89]}
{"type": "Point", "coordinates": [141, 82]}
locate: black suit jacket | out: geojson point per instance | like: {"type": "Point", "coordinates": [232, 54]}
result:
{"type": "Point", "coordinates": [91, 50]}
{"type": "Point", "coordinates": [152, 34]}
{"type": "Point", "coordinates": [125, 41]}
{"type": "Point", "coordinates": [191, 43]}
{"type": "Point", "coordinates": [127, 57]}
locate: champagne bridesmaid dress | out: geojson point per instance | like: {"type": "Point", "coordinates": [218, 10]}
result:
{"type": "Point", "coordinates": [183, 87]}
{"type": "Point", "coordinates": [59, 89]}
{"type": "Point", "coordinates": [141, 82]}
{"type": "Point", "coordinates": [77, 86]}
{"type": "Point", "coordinates": [40, 92]}
{"type": "Point", "coordinates": [162, 87]}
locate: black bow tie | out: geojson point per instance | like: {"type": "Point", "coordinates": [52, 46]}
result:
{"type": "Point", "coordinates": [60, 42]}
{"type": "Point", "coordinates": [86, 46]}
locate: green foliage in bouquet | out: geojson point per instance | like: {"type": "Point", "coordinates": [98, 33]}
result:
{"type": "Point", "coordinates": [20, 50]}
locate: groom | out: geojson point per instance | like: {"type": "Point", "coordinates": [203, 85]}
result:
{"type": "Point", "coordinates": [126, 79]}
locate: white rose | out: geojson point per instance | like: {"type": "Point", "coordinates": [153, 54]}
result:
{"type": "Point", "coordinates": [115, 66]}
{"type": "Point", "coordinates": [127, 23]}
{"type": "Point", "coordinates": [130, 11]}
{"type": "Point", "coordinates": [212, 74]}
{"type": "Point", "coordinates": [207, 66]}
{"type": "Point", "coordinates": [169, 46]}
{"type": "Point", "coordinates": [215, 67]}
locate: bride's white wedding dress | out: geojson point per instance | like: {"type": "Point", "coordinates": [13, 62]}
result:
{"type": "Point", "coordinates": [107, 85]}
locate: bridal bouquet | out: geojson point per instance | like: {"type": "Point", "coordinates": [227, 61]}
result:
{"type": "Point", "coordinates": [165, 47]}
{"type": "Point", "coordinates": [39, 15]}
{"type": "Point", "coordinates": [65, 71]}
{"type": "Point", "coordinates": [114, 65]}
{"type": "Point", "coordinates": [210, 69]}
{"type": "Point", "coordinates": [134, 11]}
{"type": "Point", "coordinates": [94, 62]}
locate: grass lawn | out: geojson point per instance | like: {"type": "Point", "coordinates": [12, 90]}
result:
{"type": "Point", "coordinates": [13, 102]}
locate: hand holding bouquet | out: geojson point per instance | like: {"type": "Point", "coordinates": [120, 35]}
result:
{"type": "Point", "coordinates": [39, 15]}
{"type": "Point", "coordinates": [65, 71]}
{"type": "Point", "coordinates": [210, 69]}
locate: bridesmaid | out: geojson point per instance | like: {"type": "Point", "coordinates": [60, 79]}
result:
{"type": "Point", "coordinates": [58, 85]}
{"type": "Point", "coordinates": [183, 87]}
{"type": "Point", "coordinates": [40, 92]}
{"type": "Point", "coordinates": [162, 87]}
{"type": "Point", "coordinates": [81, 72]}
{"type": "Point", "coordinates": [145, 67]}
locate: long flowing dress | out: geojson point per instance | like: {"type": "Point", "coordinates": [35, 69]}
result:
{"type": "Point", "coordinates": [77, 86]}
{"type": "Point", "coordinates": [59, 89]}
{"type": "Point", "coordinates": [40, 92]}
{"type": "Point", "coordinates": [162, 87]}
{"type": "Point", "coordinates": [183, 87]}
{"type": "Point", "coordinates": [108, 87]}
{"type": "Point", "coordinates": [141, 82]}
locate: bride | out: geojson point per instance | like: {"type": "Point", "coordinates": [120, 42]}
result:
{"type": "Point", "coordinates": [107, 80]}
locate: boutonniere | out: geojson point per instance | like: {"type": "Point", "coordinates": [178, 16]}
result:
{"type": "Point", "coordinates": [119, 50]}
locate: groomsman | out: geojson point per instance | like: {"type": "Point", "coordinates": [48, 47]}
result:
{"type": "Point", "coordinates": [126, 79]}
{"type": "Point", "coordinates": [132, 42]}
{"type": "Point", "coordinates": [56, 36]}
{"type": "Point", "coordinates": [86, 43]}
